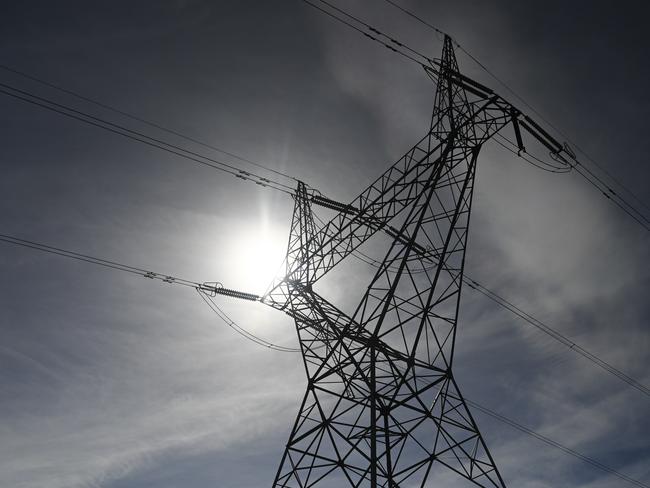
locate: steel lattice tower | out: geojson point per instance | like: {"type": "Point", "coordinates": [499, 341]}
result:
{"type": "Point", "coordinates": [382, 405]}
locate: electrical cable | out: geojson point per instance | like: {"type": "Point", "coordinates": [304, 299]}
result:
{"type": "Point", "coordinates": [530, 158]}
{"type": "Point", "coordinates": [260, 341]}
{"type": "Point", "coordinates": [256, 339]}
{"type": "Point", "coordinates": [615, 200]}
{"type": "Point", "coordinates": [141, 137]}
{"type": "Point", "coordinates": [557, 445]}
{"type": "Point", "coordinates": [423, 56]}
{"type": "Point", "coordinates": [628, 208]}
{"type": "Point", "coordinates": [609, 175]}
{"type": "Point", "coordinates": [200, 288]}
{"type": "Point", "coordinates": [224, 167]}
{"type": "Point", "coordinates": [98, 261]}
{"type": "Point", "coordinates": [411, 14]}
{"type": "Point", "coordinates": [371, 33]}
{"type": "Point", "coordinates": [139, 119]}
{"type": "Point", "coordinates": [269, 345]}
{"type": "Point", "coordinates": [610, 194]}
{"type": "Point", "coordinates": [512, 308]}
{"type": "Point", "coordinates": [235, 171]}
{"type": "Point", "coordinates": [555, 334]}
{"type": "Point", "coordinates": [147, 122]}
{"type": "Point", "coordinates": [622, 203]}
{"type": "Point", "coordinates": [240, 330]}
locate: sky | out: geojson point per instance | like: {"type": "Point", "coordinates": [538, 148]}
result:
{"type": "Point", "coordinates": [115, 381]}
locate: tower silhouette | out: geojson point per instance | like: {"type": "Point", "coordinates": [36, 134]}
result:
{"type": "Point", "coordinates": [382, 407]}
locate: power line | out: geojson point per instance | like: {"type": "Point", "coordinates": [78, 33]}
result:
{"type": "Point", "coordinates": [139, 119]}
{"type": "Point", "coordinates": [269, 345]}
{"type": "Point", "coordinates": [510, 146]}
{"type": "Point", "coordinates": [244, 175]}
{"type": "Point", "coordinates": [558, 336]}
{"type": "Point", "coordinates": [259, 341]}
{"type": "Point", "coordinates": [517, 311]}
{"type": "Point", "coordinates": [411, 14]}
{"type": "Point", "coordinates": [355, 23]}
{"type": "Point", "coordinates": [608, 193]}
{"type": "Point", "coordinates": [137, 136]}
{"type": "Point", "coordinates": [604, 188]}
{"type": "Point", "coordinates": [590, 177]}
{"type": "Point", "coordinates": [201, 288]}
{"type": "Point", "coordinates": [583, 171]}
{"type": "Point", "coordinates": [79, 115]}
{"type": "Point", "coordinates": [557, 445]}
{"type": "Point", "coordinates": [615, 180]}
{"type": "Point", "coordinates": [372, 33]}
{"type": "Point", "coordinates": [486, 291]}
{"type": "Point", "coordinates": [240, 330]}
{"type": "Point", "coordinates": [9, 239]}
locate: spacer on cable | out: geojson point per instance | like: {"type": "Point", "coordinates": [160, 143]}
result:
{"type": "Point", "coordinates": [568, 150]}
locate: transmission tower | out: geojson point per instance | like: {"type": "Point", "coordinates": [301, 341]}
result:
{"type": "Point", "coordinates": [382, 407]}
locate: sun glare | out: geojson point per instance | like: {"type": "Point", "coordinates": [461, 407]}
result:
{"type": "Point", "coordinates": [258, 252]}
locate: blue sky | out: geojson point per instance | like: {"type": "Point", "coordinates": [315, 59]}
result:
{"type": "Point", "coordinates": [110, 380]}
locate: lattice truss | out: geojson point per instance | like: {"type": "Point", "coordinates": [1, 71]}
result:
{"type": "Point", "coordinates": [382, 407]}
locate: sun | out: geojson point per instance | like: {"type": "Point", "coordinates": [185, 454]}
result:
{"type": "Point", "coordinates": [257, 252]}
